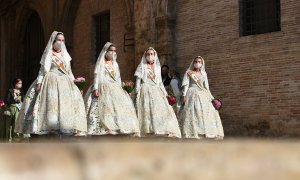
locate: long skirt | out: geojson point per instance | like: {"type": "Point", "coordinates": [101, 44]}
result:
{"type": "Point", "coordinates": [57, 108]}
{"type": "Point", "coordinates": [199, 117]}
{"type": "Point", "coordinates": [155, 115]}
{"type": "Point", "coordinates": [112, 112]}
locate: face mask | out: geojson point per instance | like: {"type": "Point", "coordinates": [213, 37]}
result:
{"type": "Point", "coordinates": [150, 59]}
{"type": "Point", "coordinates": [111, 55]}
{"type": "Point", "coordinates": [197, 65]}
{"type": "Point", "coordinates": [18, 86]}
{"type": "Point", "coordinates": [57, 45]}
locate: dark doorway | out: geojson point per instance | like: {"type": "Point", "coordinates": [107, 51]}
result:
{"type": "Point", "coordinates": [34, 45]}
{"type": "Point", "coordinates": [101, 31]}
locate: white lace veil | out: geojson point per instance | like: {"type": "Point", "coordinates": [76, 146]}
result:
{"type": "Point", "coordinates": [100, 65]}
{"type": "Point", "coordinates": [186, 78]}
{"type": "Point", "coordinates": [46, 57]}
{"type": "Point", "coordinates": [142, 67]}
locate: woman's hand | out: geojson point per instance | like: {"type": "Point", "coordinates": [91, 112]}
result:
{"type": "Point", "coordinates": [96, 93]}
{"type": "Point", "coordinates": [37, 88]}
{"type": "Point", "coordinates": [183, 100]}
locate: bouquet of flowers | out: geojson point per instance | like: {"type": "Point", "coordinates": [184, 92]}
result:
{"type": "Point", "coordinates": [2, 103]}
{"type": "Point", "coordinates": [128, 86]}
{"type": "Point", "coordinates": [80, 83]}
{"type": "Point", "coordinates": [171, 99]}
{"type": "Point", "coordinates": [4, 109]}
{"type": "Point", "coordinates": [217, 103]}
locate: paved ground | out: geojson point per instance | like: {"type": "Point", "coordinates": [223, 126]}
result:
{"type": "Point", "coordinates": [127, 158]}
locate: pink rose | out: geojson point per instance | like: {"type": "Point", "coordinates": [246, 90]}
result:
{"type": "Point", "coordinates": [217, 103]}
{"type": "Point", "coordinates": [79, 79]}
{"type": "Point", "coordinates": [128, 83]}
{"type": "Point", "coordinates": [171, 100]}
{"type": "Point", "coordinates": [2, 104]}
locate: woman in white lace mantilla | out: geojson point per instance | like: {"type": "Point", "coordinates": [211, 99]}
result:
{"type": "Point", "coordinates": [199, 117]}
{"type": "Point", "coordinates": [110, 109]}
{"type": "Point", "coordinates": [53, 104]}
{"type": "Point", "coordinates": [155, 115]}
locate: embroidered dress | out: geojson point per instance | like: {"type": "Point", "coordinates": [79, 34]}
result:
{"type": "Point", "coordinates": [199, 117]}
{"type": "Point", "coordinates": [58, 107]}
{"type": "Point", "coordinates": [113, 111]}
{"type": "Point", "coordinates": [155, 115]}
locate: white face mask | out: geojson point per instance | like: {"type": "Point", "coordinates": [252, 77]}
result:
{"type": "Point", "coordinates": [57, 45]}
{"type": "Point", "coordinates": [197, 65]}
{"type": "Point", "coordinates": [111, 55]}
{"type": "Point", "coordinates": [150, 59]}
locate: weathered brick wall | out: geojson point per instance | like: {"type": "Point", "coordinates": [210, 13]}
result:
{"type": "Point", "coordinates": [81, 44]}
{"type": "Point", "coordinates": [83, 64]}
{"type": "Point", "coordinates": [256, 76]}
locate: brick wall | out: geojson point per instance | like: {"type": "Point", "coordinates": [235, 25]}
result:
{"type": "Point", "coordinates": [256, 76]}
{"type": "Point", "coordinates": [83, 64]}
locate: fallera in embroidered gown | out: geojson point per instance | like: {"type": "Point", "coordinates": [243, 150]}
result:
{"type": "Point", "coordinates": [155, 115]}
{"type": "Point", "coordinates": [199, 118]}
{"type": "Point", "coordinates": [112, 112]}
{"type": "Point", "coordinates": [58, 107]}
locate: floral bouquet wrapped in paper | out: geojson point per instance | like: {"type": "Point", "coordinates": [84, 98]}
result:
{"type": "Point", "coordinates": [80, 83]}
{"type": "Point", "coordinates": [128, 86]}
{"type": "Point", "coordinates": [171, 99]}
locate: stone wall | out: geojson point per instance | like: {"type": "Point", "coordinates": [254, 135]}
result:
{"type": "Point", "coordinates": [83, 60]}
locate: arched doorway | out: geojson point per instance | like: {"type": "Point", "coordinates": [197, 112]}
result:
{"type": "Point", "coordinates": [33, 44]}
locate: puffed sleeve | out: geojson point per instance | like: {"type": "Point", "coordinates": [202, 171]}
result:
{"type": "Point", "coordinates": [137, 84]}
{"type": "Point", "coordinates": [96, 81]}
{"type": "Point", "coordinates": [41, 75]}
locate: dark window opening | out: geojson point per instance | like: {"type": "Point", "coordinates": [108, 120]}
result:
{"type": "Point", "coordinates": [259, 16]}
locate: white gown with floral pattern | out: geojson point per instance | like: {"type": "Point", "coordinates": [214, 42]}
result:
{"type": "Point", "coordinates": [113, 111]}
{"type": "Point", "coordinates": [199, 117]}
{"type": "Point", "coordinates": [155, 115]}
{"type": "Point", "coordinates": [57, 108]}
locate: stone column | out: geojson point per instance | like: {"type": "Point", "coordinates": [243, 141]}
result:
{"type": "Point", "coordinates": [155, 26]}
{"type": "Point", "coordinates": [165, 24]}
{"type": "Point", "coordinates": [145, 27]}
{"type": "Point", "coordinates": [166, 40]}
{"type": "Point", "coordinates": [129, 42]}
